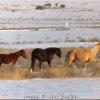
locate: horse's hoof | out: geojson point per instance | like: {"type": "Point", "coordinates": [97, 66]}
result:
{"type": "Point", "coordinates": [31, 70]}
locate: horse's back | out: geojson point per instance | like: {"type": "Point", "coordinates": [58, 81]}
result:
{"type": "Point", "coordinates": [37, 50]}
{"type": "Point", "coordinates": [52, 49]}
{"type": "Point", "coordinates": [81, 54]}
{"type": "Point", "coordinates": [38, 53]}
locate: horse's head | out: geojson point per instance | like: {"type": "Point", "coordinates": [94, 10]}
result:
{"type": "Point", "coordinates": [23, 53]}
{"type": "Point", "coordinates": [98, 45]}
{"type": "Point", "coordinates": [58, 52]}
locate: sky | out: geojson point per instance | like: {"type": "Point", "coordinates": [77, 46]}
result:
{"type": "Point", "coordinates": [34, 1]}
{"type": "Point", "coordinates": [23, 1]}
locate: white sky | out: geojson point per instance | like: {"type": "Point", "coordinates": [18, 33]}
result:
{"type": "Point", "coordinates": [34, 1]}
{"type": "Point", "coordinates": [9, 1]}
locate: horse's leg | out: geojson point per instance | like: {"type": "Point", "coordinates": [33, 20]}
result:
{"type": "Point", "coordinates": [14, 62]}
{"type": "Point", "coordinates": [49, 63]}
{"type": "Point", "coordinates": [32, 65]}
{"type": "Point", "coordinates": [86, 64]}
{"type": "Point", "coordinates": [40, 64]}
{"type": "Point", "coordinates": [95, 60]}
{"type": "Point", "coordinates": [49, 60]}
{"type": "Point", "coordinates": [0, 64]}
{"type": "Point", "coordinates": [73, 64]}
{"type": "Point", "coordinates": [70, 62]}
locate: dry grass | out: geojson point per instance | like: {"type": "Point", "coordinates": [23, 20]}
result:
{"type": "Point", "coordinates": [17, 74]}
{"type": "Point", "coordinates": [58, 69]}
{"type": "Point", "coordinates": [63, 72]}
{"type": "Point", "coordinates": [54, 72]}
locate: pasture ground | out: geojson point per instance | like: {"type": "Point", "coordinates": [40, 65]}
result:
{"type": "Point", "coordinates": [58, 70]}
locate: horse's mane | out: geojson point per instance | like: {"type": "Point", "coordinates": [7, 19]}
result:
{"type": "Point", "coordinates": [53, 50]}
{"type": "Point", "coordinates": [15, 53]}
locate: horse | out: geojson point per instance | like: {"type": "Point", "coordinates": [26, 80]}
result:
{"type": "Point", "coordinates": [44, 55]}
{"type": "Point", "coordinates": [12, 57]}
{"type": "Point", "coordinates": [85, 55]}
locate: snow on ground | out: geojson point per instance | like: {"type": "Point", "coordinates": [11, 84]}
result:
{"type": "Point", "coordinates": [26, 27]}
{"type": "Point", "coordinates": [50, 88]}
{"type": "Point", "coordinates": [45, 45]}
{"type": "Point", "coordinates": [32, 39]}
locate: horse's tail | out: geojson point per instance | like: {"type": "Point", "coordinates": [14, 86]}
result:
{"type": "Point", "coordinates": [67, 56]}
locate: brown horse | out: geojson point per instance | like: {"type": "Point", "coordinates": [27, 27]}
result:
{"type": "Point", "coordinates": [84, 55]}
{"type": "Point", "coordinates": [12, 58]}
{"type": "Point", "coordinates": [44, 55]}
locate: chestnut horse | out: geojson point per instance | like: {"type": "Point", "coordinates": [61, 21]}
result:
{"type": "Point", "coordinates": [12, 58]}
{"type": "Point", "coordinates": [84, 55]}
{"type": "Point", "coordinates": [44, 55]}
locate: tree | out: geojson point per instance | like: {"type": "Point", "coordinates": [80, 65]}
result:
{"type": "Point", "coordinates": [62, 6]}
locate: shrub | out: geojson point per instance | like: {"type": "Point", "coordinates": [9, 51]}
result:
{"type": "Point", "coordinates": [47, 5]}
{"type": "Point", "coordinates": [62, 6]}
{"type": "Point", "coordinates": [56, 4]}
{"type": "Point", "coordinates": [40, 7]}
{"type": "Point", "coordinates": [83, 40]}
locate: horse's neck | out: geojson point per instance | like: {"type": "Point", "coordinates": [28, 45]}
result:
{"type": "Point", "coordinates": [94, 50]}
{"type": "Point", "coordinates": [50, 54]}
{"type": "Point", "coordinates": [17, 54]}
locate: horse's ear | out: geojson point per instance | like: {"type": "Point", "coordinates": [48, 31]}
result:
{"type": "Point", "coordinates": [22, 49]}
{"type": "Point", "coordinates": [99, 43]}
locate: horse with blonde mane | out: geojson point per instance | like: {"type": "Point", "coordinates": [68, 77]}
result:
{"type": "Point", "coordinates": [83, 55]}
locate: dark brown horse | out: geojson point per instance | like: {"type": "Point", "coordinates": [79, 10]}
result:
{"type": "Point", "coordinates": [44, 55]}
{"type": "Point", "coordinates": [12, 58]}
